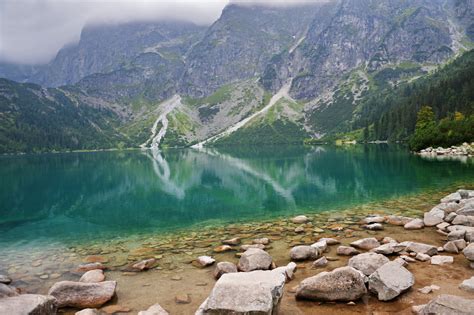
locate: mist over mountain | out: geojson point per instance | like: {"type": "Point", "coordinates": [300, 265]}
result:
{"type": "Point", "coordinates": [269, 73]}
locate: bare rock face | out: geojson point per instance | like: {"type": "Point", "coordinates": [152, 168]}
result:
{"type": "Point", "coordinates": [154, 310]}
{"type": "Point", "coordinates": [366, 243]}
{"type": "Point", "coordinates": [448, 304]}
{"type": "Point", "coordinates": [304, 252]}
{"type": "Point", "coordinates": [390, 280]}
{"type": "Point", "coordinates": [256, 292]}
{"type": "Point", "coordinates": [224, 267]}
{"type": "Point", "coordinates": [82, 295]}
{"type": "Point", "coordinates": [28, 304]}
{"type": "Point", "coordinates": [254, 259]}
{"type": "Point", "coordinates": [93, 276]}
{"type": "Point", "coordinates": [341, 284]}
{"type": "Point", "coordinates": [368, 263]}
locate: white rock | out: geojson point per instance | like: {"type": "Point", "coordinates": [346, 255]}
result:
{"type": "Point", "coordinates": [367, 263]}
{"type": "Point", "coordinates": [321, 262]}
{"type": "Point", "coordinates": [454, 197]}
{"type": "Point", "coordinates": [434, 217]}
{"type": "Point", "coordinates": [154, 310]}
{"type": "Point", "coordinates": [366, 243]}
{"type": "Point", "coordinates": [254, 259]}
{"type": "Point", "coordinates": [469, 252]}
{"type": "Point", "coordinates": [441, 260]}
{"type": "Point", "coordinates": [415, 224]}
{"type": "Point", "coordinates": [28, 304]}
{"type": "Point", "coordinates": [467, 285]}
{"type": "Point", "coordinates": [93, 276]}
{"type": "Point", "coordinates": [205, 261]}
{"type": "Point", "coordinates": [288, 271]}
{"type": "Point", "coordinates": [300, 219]}
{"type": "Point", "coordinates": [256, 292]}
{"type": "Point", "coordinates": [448, 305]}
{"type": "Point", "coordinates": [304, 252]}
{"type": "Point", "coordinates": [321, 246]}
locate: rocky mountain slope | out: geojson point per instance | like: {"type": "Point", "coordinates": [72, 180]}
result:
{"type": "Point", "coordinates": [332, 55]}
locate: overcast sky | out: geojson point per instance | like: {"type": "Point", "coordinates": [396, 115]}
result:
{"type": "Point", "coordinates": [32, 31]}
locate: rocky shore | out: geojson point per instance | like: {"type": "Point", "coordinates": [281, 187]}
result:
{"type": "Point", "coordinates": [380, 264]}
{"type": "Point", "coordinates": [465, 149]}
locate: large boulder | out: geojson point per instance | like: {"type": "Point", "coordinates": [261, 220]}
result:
{"type": "Point", "coordinates": [367, 263]}
{"type": "Point", "coordinates": [341, 284]}
{"type": "Point", "coordinates": [390, 280]}
{"type": "Point", "coordinates": [366, 243]}
{"type": "Point", "coordinates": [28, 304]}
{"type": "Point", "coordinates": [82, 295]}
{"type": "Point", "coordinates": [448, 305]}
{"type": "Point", "coordinates": [434, 217]}
{"type": "Point", "coordinates": [154, 310]}
{"type": "Point", "coordinates": [256, 292]}
{"type": "Point", "coordinates": [224, 267]}
{"type": "Point", "coordinates": [254, 259]}
{"type": "Point", "coordinates": [304, 252]}
{"type": "Point", "coordinates": [463, 220]}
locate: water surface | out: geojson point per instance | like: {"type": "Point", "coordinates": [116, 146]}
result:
{"type": "Point", "coordinates": [53, 198]}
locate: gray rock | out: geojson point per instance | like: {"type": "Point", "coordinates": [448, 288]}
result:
{"type": "Point", "coordinates": [434, 217]}
{"type": "Point", "coordinates": [329, 241]}
{"type": "Point", "coordinates": [249, 246]}
{"type": "Point", "coordinates": [367, 263]}
{"type": "Point", "coordinates": [456, 235]}
{"type": "Point", "coordinates": [469, 252]}
{"type": "Point", "coordinates": [390, 280]}
{"type": "Point", "coordinates": [374, 219]}
{"type": "Point", "coordinates": [422, 257]}
{"type": "Point", "coordinates": [415, 224]}
{"type": "Point", "coordinates": [387, 249]}
{"type": "Point", "coordinates": [466, 193]}
{"type": "Point", "coordinates": [144, 264]}
{"type": "Point", "coordinates": [154, 310]}
{"type": "Point", "coordinates": [441, 260]}
{"type": "Point", "coordinates": [288, 271]}
{"type": "Point", "coordinates": [321, 246]}
{"type": "Point", "coordinates": [304, 252]}
{"type": "Point", "coordinates": [5, 280]}
{"type": "Point", "coordinates": [464, 220]}
{"type": "Point", "coordinates": [93, 276]}
{"type": "Point", "coordinates": [445, 304]}
{"type": "Point", "coordinates": [224, 267]}
{"type": "Point", "coordinates": [232, 241]}
{"type": "Point", "coordinates": [451, 247]}
{"type": "Point", "coordinates": [366, 243]}
{"type": "Point", "coordinates": [254, 259]}
{"type": "Point", "coordinates": [347, 251]}
{"type": "Point", "coordinates": [454, 197]}
{"type": "Point", "coordinates": [422, 248]}
{"type": "Point", "coordinates": [263, 241]}
{"type": "Point", "coordinates": [82, 295]}
{"type": "Point", "coordinates": [341, 284]}
{"type": "Point", "coordinates": [27, 304]}
{"type": "Point", "coordinates": [460, 244]}
{"type": "Point", "coordinates": [319, 263]}
{"type": "Point", "coordinates": [300, 219]}
{"type": "Point", "coordinates": [450, 217]}
{"type": "Point", "coordinates": [442, 226]}
{"type": "Point", "coordinates": [467, 285]}
{"type": "Point", "coordinates": [205, 261]}
{"type": "Point", "coordinates": [6, 291]}
{"type": "Point", "coordinates": [256, 292]}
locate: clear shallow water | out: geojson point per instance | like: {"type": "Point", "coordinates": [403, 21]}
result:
{"type": "Point", "coordinates": [55, 198]}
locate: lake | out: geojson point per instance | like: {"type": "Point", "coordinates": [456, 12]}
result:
{"type": "Point", "coordinates": [49, 198]}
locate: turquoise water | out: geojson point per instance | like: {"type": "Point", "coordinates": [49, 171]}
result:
{"type": "Point", "coordinates": [75, 196]}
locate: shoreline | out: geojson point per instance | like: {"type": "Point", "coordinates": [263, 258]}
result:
{"type": "Point", "coordinates": [174, 254]}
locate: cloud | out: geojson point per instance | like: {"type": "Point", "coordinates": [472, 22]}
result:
{"type": "Point", "coordinates": [33, 31]}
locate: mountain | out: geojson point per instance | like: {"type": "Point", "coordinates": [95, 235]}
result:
{"type": "Point", "coordinates": [257, 75]}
